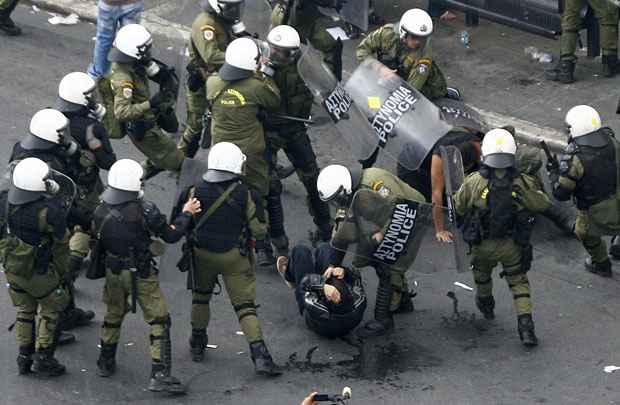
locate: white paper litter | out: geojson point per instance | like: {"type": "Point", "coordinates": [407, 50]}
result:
{"type": "Point", "coordinates": [239, 353]}
{"type": "Point", "coordinates": [338, 33]}
{"type": "Point", "coordinates": [611, 369]}
{"type": "Point", "coordinates": [239, 333]}
{"type": "Point", "coordinates": [35, 8]}
{"type": "Point", "coordinates": [463, 286]}
{"type": "Point", "coordinates": [83, 370]}
{"type": "Point", "coordinates": [211, 346]}
{"type": "Point", "coordinates": [71, 19]}
{"type": "Point", "coordinates": [129, 344]}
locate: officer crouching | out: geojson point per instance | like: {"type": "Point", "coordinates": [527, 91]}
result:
{"type": "Point", "coordinates": [218, 243]}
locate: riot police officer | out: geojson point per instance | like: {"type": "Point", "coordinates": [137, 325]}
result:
{"type": "Point", "coordinates": [406, 49]}
{"type": "Point", "coordinates": [218, 244]}
{"type": "Point", "coordinates": [607, 16]}
{"type": "Point", "coordinates": [331, 300]}
{"type": "Point", "coordinates": [49, 140]}
{"type": "Point", "coordinates": [290, 135]}
{"type": "Point", "coordinates": [588, 171]}
{"type": "Point", "coordinates": [126, 226]}
{"type": "Point", "coordinates": [307, 19]}
{"type": "Point", "coordinates": [380, 192]}
{"type": "Point", "coordinates": [213, 29]}
{"type": "Point", "coordinates": [76, 101]}
{"type": "Point", "coordinates": [498, 205]}
{"type": "Point", "coordinates": [34, 247]}
{"type": "Point", "coordinates": [7, 25]}
{"type": "Point", "coordinates": [144, 116]}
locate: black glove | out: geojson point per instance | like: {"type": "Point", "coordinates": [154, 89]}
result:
{"type": "Point", "coordinates": [158, 101]}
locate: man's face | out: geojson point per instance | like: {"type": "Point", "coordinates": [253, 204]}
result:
{"type": "Point", "coordinates": [414, 43]}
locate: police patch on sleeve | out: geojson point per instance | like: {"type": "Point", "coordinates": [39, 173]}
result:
{"type": "Point", "coordinates": [380, 188]}
{"type": "Point", "coordinates": [208, 35]}
{"type": "Point", "coordinates": [128, 92]}
{"type": "Point", "coordinates": [422, 68]}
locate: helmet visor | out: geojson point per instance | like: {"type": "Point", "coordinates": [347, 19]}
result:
{"type": "Point", "coordinates": [499, 160]}
{"type": "Point", "coordinates": [281, 56]}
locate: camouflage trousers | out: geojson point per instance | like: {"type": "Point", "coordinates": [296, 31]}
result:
{"type": "Point", "coordinates": [607, 15]}
{"type": "Point", "coordinates": [240, 283]}
{"type": "Point", "coordinates": [151, 300]}
{"type": "Point", "coordinates": [486, 256]}
{"type": "Point", "coordinates": [42, 292]}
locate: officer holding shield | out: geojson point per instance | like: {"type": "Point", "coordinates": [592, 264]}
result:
{"type": "Point", "coordinates": [370, 201]}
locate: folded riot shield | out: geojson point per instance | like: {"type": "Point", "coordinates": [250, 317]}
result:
{"type": "Point", "coordinates": [458, 114]}
{"type": "Point", "coordinates": [347, 120]}
{"type": "Point", "coordinates": [191, 173]}
{"type": "Point", "coordinates": [453, 175]}
{"type": "Point", "coordinates": [257, 17]}
{"type": "Point", "coordinates": [383, 230]}
{"type": "Point", "coordinates": [401, 118]}
{"type": "Point", "coordinates": [355, 12]}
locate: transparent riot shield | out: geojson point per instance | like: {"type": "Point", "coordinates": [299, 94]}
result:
{"type": "Point", "coordinates": [458, 114]}
{"type": "Point", "coordinates": [355, 12]}
{"type": "Point", "coordinates": [346, 117]}
{"type": "Point", "coordinates": [383, 230]}
{"type": "Point", "coordinates": [453, 175]}
{"type": "Point", "coordinates": [401, 118]}
{"type": "Point", "coordinates": [257, 17]}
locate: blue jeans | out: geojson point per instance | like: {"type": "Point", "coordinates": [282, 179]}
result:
{"type": "Point", "coordinates": [109, 19]}
{"type": "Point", "coordinates": [302, 262]}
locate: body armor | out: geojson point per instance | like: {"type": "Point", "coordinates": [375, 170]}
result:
{"type": "Point", "coordinates": [49, 156]}
{"type": "Point", "coordinates": [24, 220]}
{"type": "Point", "coordinates": [223, 229]}
{"type": "Point", "coordinates": [498, 219]}
{"type": "Point", "coordinates": [598, 157]}
{"type": "Point", "coordinates": [125, 229]}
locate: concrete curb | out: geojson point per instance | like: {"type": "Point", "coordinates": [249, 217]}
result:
{"type": "Point", "coordinates": [88, 12]}
{"type": "Point", "coordinates": [527, 132]}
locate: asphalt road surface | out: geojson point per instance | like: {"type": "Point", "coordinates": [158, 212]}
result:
{"type": "Point", "coordinates": [434, 356]}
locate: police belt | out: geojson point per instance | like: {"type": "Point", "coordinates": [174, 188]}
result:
{"type": "Point", "coordinates": [116, 264]}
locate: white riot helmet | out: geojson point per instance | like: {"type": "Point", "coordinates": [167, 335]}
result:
{"type": "Point", "coordinates": [582, 120]}
{"type": "Point", "coordinates": [133, 42]}
{"type": "Point", "coordinates": [231, 11]}
{"type": "Point", "coordinates": [48, 127]}
{"type": "Point", "coordinates": [76, 92]}
{"type": "Point", "coordinates": [415, 22]}
{"type": "Point", "coordinates": [333, 181]}
{"type": "Point", "coordinates": [225, 162]}
{"type": "Point", "coordinates": [498, 149]}
{"type": "Point", "coordinates": [124, 182]}
{"type": "Point", "coordinates": [30, 181]}
{"type": "Point", "coordinates": [284, 44]}
{"type": "Point", "coordinates": [241, 61]}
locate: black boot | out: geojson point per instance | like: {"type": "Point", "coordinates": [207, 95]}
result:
{"type": "Point", "coordinates": [161, 372]}
{"type": "Point", "coordinates": [486, 305]}
{"type": "Point", "coordinates": [24, 359]}
{"type": "Point", "coordinates": [602, 269]}
{"type": "Point", "coordinates": [405, 305]}
{"type": "Point", "coordinates": [383, 322]}
{"type": "Point", "coordinates": [7, 25]}
{"type": "Point", "coordinates": [563, 72]}
{"type": "Point", "coordinates": [66, 338]}
{"type": "Point", "coordinates": [264, 255]}
{"type": "Point", "coordinates": [610, 65]}
{"type": "Point", "coordinates": [614, 249]}
{"type": "Point", "coordinates": [46, 364]}
{"type": "Point", "coordinates": [197, 344]}
{"type": "Point", "coordinates": [263, 363]}
{"type": "Point", "coordinates": [106, 364]}
{"type": "Point", "coordinates": [281, 245]}
{"type": "Point", "coordinates": [526, 330]}
{"type": "Point", "coordinates": [73, 317]}
{"type": "Point", "coordinates": [563, 217]}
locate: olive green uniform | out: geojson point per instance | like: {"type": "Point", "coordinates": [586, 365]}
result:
{"type": "Point", "coordinates": [130, 85]}
{"type": "Point", "coordinates": [489, 252]}
{"type": "Point", "coordinates": [6, 4]}
{"type": "Point", "coordinates": [384, 185]}
{"type": "Point", "coordinates": [607, 15]}
{"type": "Point", "coordinates": [30, 290]}
{"type": "Point", "coordinates": [599, 218]}
{"type": "Point", "coordinates": [415, 67]}
{"type": "Point", "coordinates": [207, 47]}
{"type": "Point", "coordinates": [237, 272]}
{"type": "Point", "coordinates": [311, 25]}
{"type": "Point", "coordinates": [235, 106]}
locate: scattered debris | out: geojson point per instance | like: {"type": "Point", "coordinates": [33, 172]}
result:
{"type": "Point", "coordinates": [71, 19]}
{"type": "Point", "coordinates": [463, 286]}
{"type": "Point", "coordinates": [211, 346]}
{"type": "Point", "coordinates": [465, 39]}
{"type": "Point", "coordinates": [239, 353]}
{"type": "Point", "coordinates": [240, 333]}
{"type": "Point", "coordinates": [611, 369]}
{"type": "Point", "coordinates": [83, 370]}
{"type": "Point", "coordinates": [537, 55]}
{"type": "Point", "coordinates": [129, 344]}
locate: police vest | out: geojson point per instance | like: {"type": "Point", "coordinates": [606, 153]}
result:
{"type": "Point", "coordinates": [124, 228]}
{"type": "Point", "coordinates": [223, 229]}
{"type": "Point", "coordinates": [599, 171]}
{"type": "Point", "coordinates": [498, 219]}
{"type": "Point", "coordinates": [82, 175]}
{"type": "Point", "coordinates": [23, 220]}
{"type": "Point", "coordinates": [49, 156]}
